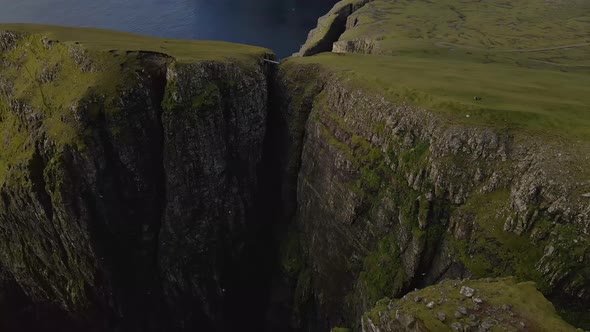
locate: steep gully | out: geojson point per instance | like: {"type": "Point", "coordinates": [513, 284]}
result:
{"type": "Point", "coordinates": [126, 225]}
{"type": "Point", "coordinates": [238, 282]}
{"type": "Point", "coordinates": [129, 251]}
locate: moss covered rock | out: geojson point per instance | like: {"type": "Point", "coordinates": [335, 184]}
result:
{"type": "Point", "coordinates": [478, 305]}
{"type": "Point", "coordinates": [422, 161]}
{"type": "Point", "coordinates": [127, 171]}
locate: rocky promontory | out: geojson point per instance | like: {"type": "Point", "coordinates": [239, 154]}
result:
{"type": "Point", "coordinates": [129, 177]}
{"type": "Point", "coordinates": [473, 305]}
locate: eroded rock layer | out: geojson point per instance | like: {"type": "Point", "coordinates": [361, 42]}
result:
{"type": "Point", "coordinates": [390, 197]}
{"type": "Point", "coordinates": [128, 178]}
{"type": "Point", "coordinates": [149, 184]}
{"type": "Point", "coordinates": [430, 149]}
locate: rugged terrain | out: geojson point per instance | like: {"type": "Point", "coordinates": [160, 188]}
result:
{"type": "Point", "coordinates": [490, 304]}
{"type": "Point", "coordinates": [443, 140]}
{"type": "Point", "coordinates": [149, 184]}
{"type": "Point", "coordinates": [129, 179]}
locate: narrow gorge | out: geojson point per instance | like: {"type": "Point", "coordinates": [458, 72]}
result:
{"type": "Point", "coordinates": [160, 185]}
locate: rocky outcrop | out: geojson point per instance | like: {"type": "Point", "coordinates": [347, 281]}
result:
{"type": "Point", "coordinates": [354, 46]}
{"type": "Point", "coordinates": [492, 304]}
{"type": "Point", "coordinates": [330, 27]}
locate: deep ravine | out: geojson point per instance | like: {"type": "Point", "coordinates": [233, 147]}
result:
{"type": "Point", "coordinates": [154, 209]}
{"type": "Point", "coordinates": [203, 188]}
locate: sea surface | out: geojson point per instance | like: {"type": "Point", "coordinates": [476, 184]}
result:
{"type": "Point", "coordinates": [281, 25]}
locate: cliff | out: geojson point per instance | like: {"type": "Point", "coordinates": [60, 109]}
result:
{"type": "Point", "coordinates": [128, 175]}
{"type": "Point", "coordinates": [437, 154]}
{"type": "Point", "coordinates": [148, 184]}
{"type": "Point", "coordinates": [391, 196]}
{"type": "Point", "coordinates": [330, 27]}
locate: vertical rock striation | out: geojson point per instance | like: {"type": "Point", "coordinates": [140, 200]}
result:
{"type": "Point", "coordinates": [214, 124]}
{"type": "Point", "coordinates": [128, 180]}
{"type": "Point", "coordinates": [391, 197]}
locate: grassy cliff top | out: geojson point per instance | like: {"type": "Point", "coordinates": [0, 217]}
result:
{"type": "Point", "coordinates": [520, 32]}
{"type": "Point", "coordinates": [108, 40]}
{"type": "Point", "coordinates": [55, 80]}
{"type": "Point", "coordinates": [512, 64]}
{"type": "Point", "coordinates": [498, 304]}
{"type": "Point", "coordinates": [542, 100]}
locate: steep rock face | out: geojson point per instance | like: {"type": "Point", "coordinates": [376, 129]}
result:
{"type": "Point", "coordinates": [134, 184]}
{"type": "Point", "coordinates": [80, 181]}
{"type": "Point", "coordinates": [391, 197]}
{"type": "Point", "coordinates": [126, 178]}
{"type": "Point", "coordinates": [396, 192]}
{"type": "Point", "coordinates": [19, 313]}
{"type": "Point", "coordinates": [215, 125]}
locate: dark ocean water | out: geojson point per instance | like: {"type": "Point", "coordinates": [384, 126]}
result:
{"type": "Point", "coordinates": [281, 25]}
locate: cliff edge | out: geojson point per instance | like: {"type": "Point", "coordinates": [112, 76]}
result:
{"type": "Point", "coordinates": [150, 184]}
{"type": "Point", "coordinates": [441, 141]}
{"type": "Point", "coordinates": [128, 174]}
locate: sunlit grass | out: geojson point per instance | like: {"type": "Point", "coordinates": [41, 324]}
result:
{"type": "Point", "coordinates": [544, 100]}
{"type": "Point", "coordinates": [105, 40]}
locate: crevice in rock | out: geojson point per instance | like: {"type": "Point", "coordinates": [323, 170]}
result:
{"type": "Point", "coordinates": [288, 124]}
{"type": "Point", "coordinates": [157, 65]}
{"type": "Point", "coordinates": [39, 186]}
{"type": "Point", "coordinates": [247, 304]}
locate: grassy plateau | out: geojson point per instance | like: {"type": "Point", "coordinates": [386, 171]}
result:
{"type": "Point", "coordinates": [521, 64]}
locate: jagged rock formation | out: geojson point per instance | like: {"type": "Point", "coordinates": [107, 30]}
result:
{"type": "Point", "coordinates": [491, 304]}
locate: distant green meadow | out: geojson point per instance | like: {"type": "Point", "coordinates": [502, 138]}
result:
{"type": "Point", "coordinates": [107, 40]}
{"type": "Point", "coordinates": [514, 64]}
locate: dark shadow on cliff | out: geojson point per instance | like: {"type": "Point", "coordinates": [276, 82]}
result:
{"type": "Point", "coordinates": [247, 298]}
{"type": "Point", "coordinates": [19, 314]}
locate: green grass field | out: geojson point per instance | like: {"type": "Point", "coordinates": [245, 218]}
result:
{"type": "Point", "coordinates": [441, 55]}
{"type": "Point", "coordinates": [545, 100]}
{"type": "Point", "coordinates": [106, 40]}
{"type": "Point", "coordinates": [522, 32]}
